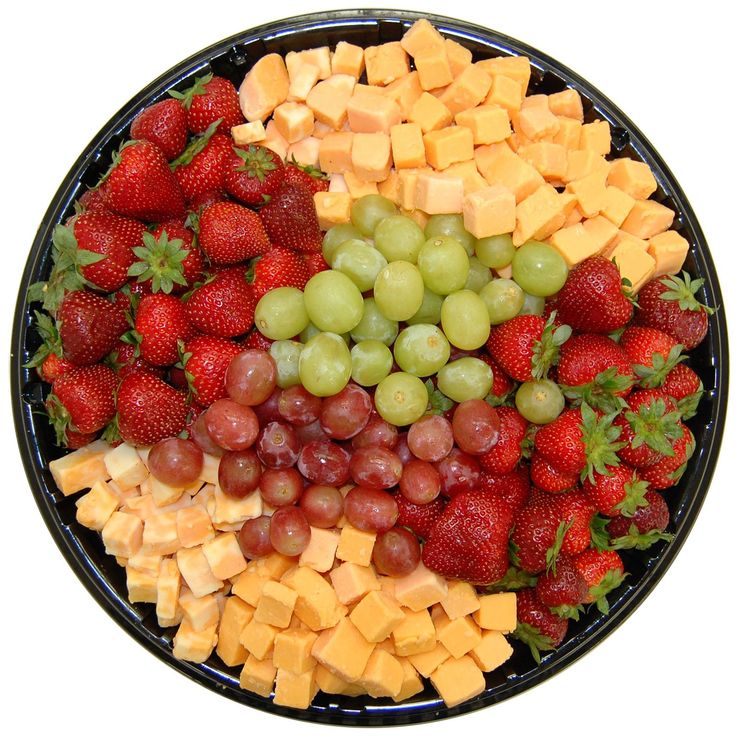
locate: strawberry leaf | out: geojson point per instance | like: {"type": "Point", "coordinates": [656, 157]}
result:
{"type": "Point", "coordinates": [534, 639]}
{"type": "Point", "coordinates": [50, 340]}
{"type": "Point", "coordinates": [568, 611]}
{"type": "Point", "coordinates": [196, 146]}
{"type": "Point", "coordinates": [683, 290]}
{"type": "Point", "coordinates": [654, 426]}
{"type": "Point", "coordinates": [546, 350]}
{"type": "Point", "coordinates": [198, 88]}
{"type": "Point", "coordinates": [161, 262]}
{"type": "Point", "coordinates": [257, 161]}
{"type": "Point", "coordinates": [599, 537]}
{"type": "Point", "coordinates": [554, 551]}
{"type": "Point", "coordinates": [514, 579]}
{"type": "Point", "coordinates": [609, 582]}
{"type": "Point", "coordinates": [438, 402]}
{"type": "Point", "coordinates": [635, 497]}
{"type": "Point", "coordinates": [636, 540]}
{"type": "Point", "coordinates": [599, 438]}
{"type": "Point", "coordinates": [603, 392]}
{"type": "Point", "coordinates": [688, 405]}
{"type": "Point", "coordinates": [653, 376]}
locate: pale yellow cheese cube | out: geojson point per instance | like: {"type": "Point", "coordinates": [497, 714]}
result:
{"type": "Point", "coordinates": [429, 113]}
{"type": "Point", "coordinates": [231, 510]}
{"type": "Point", "coordinates": [247, 133]}
{"type": "Point", "coordinates": [141, 586]}
{"type": "Point", "coordinates": [635, 264]}
{"type": "Point", "coordinates": [305, 151]}
{"type": "Point", "coordinates": [302, 81]}
{"type": "Point", "coordinates": [249, 586]}
{"type": "Point", "coordinates": [160, 534]}
{"type": "Point", "coordinates": [294, 120]}
{"type": "Point", "coordinates": [385, 63]}
{"type": "Point", "coordinates": [80, 469]}
{"type": "Point", "coordinates": [648, 218]}
{"type": "Point", "coordinates": [358, 188]}
{"type": "Point", "coordinates": [487, 123]}
{"type": "Point", "coordinates": [295, 690]}
{"type": "Point", "coordinates": [420, 589]}
{"type": "Point", "coordinates": [318, 57]}
{"type": "Point", "coordinates": [490, 210]}
{"type": "Point", "coordinates": [468, 89]}
{"type": "Point", "coordinates": [328, 99]}
{"type": "Point", "coordinates": [371, 156]}
{"type": "Point", "coordinates": [602, 230]}
{"type": "Point", "coordinates": [145, 562]}
{"type": "Point", "coordinates": [407, 146]}
{"type": "Point", "coordinates": [192, 645]}
{"type": "Point", "coordinates": [492, 651]}
{"type": "Point", "coordinates": [596, 136]}
{"type": "Point", "coordinates": [122, 534]}
{"type": "Point", "coordinates": [273, 566]}
{"type": "Point", "coordinates": [257, 676]}
{"type": "Point", "coordinates": [497, 612]}
{"type": "Point", "coordinates": [97, 506]}
{"type": "Point", "coordinates": [125, 466]}
{"type": "Point", "coordinates": [616, 205]}
{"type": "Point", "coordinates": [633, 177]}
{"type": "Point", "coordinates": [196, 571]}
{"type": "Point", "coordinates": [210, 466]}
{"type": "Point", "coordinates": [333, 208]}
{"type": "Point", "coordinates": [200, 612]}
{"type": "Point", "coordinates": [458, 680]}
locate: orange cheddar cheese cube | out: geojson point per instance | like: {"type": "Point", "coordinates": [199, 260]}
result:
{"type": "Point", "coordinates": [429, 113]}
{"type": "Point", "coordinates": [492, 651]}
{"type": "Point", "coordinates": [427, 662]}
{"type": "Point", "coordinates": [348, 59]}
{"type": "Point", "coordinates": [489, 211]}
{"type": "Point", "coordinates": [567, 104]}
{"type": "Point", "coordinates": [230, 510]}
{"type": "Point", "coordinates": [343, 650]}
{"type": "Point", "coordinates": [581, 163]}
{"type": "Point", "coordinates": [159, 534]}
{"type": "Point", "coordinates": [420, 589]}
{"type": "Point", "coordinates": [224, 556]}
{"type": "Point", "coordinates": [497, 612]}
{"type": "Point", "coordinates": [351, 582]}
{"type": "Point", "coordinates": [596, 136]}
{"type": "Point", "coordinates": [633, 177]}
{"type": "Point", "coordinates": [468, 172]}
{"type": "Point", "coordinates": [389, 187]}
{"type": "Point", "coordinates": [669, 250]}
{"type": "Point", "coordinates": [258, 676]}
{"type": "Point", "coordinates": [404, 91]}
{"type": "Point", "coordinates": [536, 120]}
{"type": "Point", "coordinates": [247, 133]}
{"type": "Point", "coordinates": [539, 215]}
{"type": "Point", "coordinates": [193, 526]}
{"type": "Point", "coordinates": [438, 193]}
{"type": "Point", "coordinates": [320, 552]}
{"type": "Point", "coordinates": [294, 120]}
{"type": "Point", "coordinates": [517, 68]}
{"type": "Point", "coordinates": [317, 605]}
{"type": "Point", "coordinates": [433, 67]}
{"type": "Point", "coordinates": [335, 152]}
{"type": "Point", "coordinates": [458, 680]}
{"type": "Point", "coordinates": [461, 599]}
{"type": "Point", "coordinates": [358, 188]}
{"type": "Point", "coordinates": [487, 123]}
{"type": "Point", "coordinates": [411, 683]}
{"type": "Point", "coordinates": [414, 634]}
{"type": "Point", "coordinates": [616, 205]}
{"type": "Point", "coordinates": [407, 146]}
{"type": "Point", "coordinates": [590, 192]}
{"type": "Point", "coordinates": [265, 86]}
{"type": "Point", "coordinates": [468, 89]}
{"type": "Point", "coordinates": [601, 230]}
{"type": "Point", "coordinates": [448, 146]}
{"type": "Point", "coordinates": [385, 63]}
{"type": "Point", "coordinates": [505, 92]}
{"type": "Point", "coordinates": [568, 134]}
{"type": "Point", "coordinates": [249, 586]}
{"type": "Point", "coordinates": [500, 165]}
{"type": "Point", "coordinates": [97, 506]}
{"type": "Point", "coordinates": [294, 690]}
{"type": "Point", "coordinates": [80, 469]}
{"type": "Point", "coordinates": [122, 534]}
{"type": "Point", "coordinates": [549, 159]}
{"type": "Point", "coordinates": [372, 113]}
{"type": "Point", "coordinates": [458, 635]}
{"type": "Point", "coordinates": [168, 587]}
{"type": "Point", "coordinates": [458, 56]}
{"type": "Point", "coordinates": [142, 586]}
{"type": "Point", "coordinates": [383, 675]}
{"type": "Point", "coordinates": [648, 218]}
{"type": "Point", "coordinates": [329, 98]}
{"type": "Point", "coordinates": [276, 142]}
{"type": "Point", "coordinates": [236, 615]}
{"type": "Point", "coordinates": [196, 571]}
{"type": "Point", "coordinates": [275, 605]}
{"type": "Point", "coordinates": [574, 243]}
{"type": "Point", "coordinates": [200, 612]}
{"type": "Point", "coordinates": [624, 237]}
{"type": "Point", "coordinates": [634, 263]}
{"type": "Point", "coordinates": [421, 36]}
{"type": "Point", "coordinates": [273, 566]}
{"type": "Point", "coordinates": [258, 638]}
{"type": "Point", "coordinates": [319, 57]}
{"type": "Point", "coordinates": [328, 682]}
{"type": "Point", "coordinates": [194, 646]}
{"type": "Point", "coordinates": [371, 156]}
{"type": "Point", "coordinates": [333, 208]}
{"type": "Point", "coordinates": [305, 151]}
{"type": "Point", "coordinates": [355, 545]}
{"type": "Point", "coordinates": [376, 616]}
{"type": "Point", "coordinates": [292, 650]}
{"type": "Point", "coordinates": [408, 179]}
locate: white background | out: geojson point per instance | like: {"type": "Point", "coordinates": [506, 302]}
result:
{"type": "Point", "coordinates": [67, 68]}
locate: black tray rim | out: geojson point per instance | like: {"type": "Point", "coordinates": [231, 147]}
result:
{"type": "Point", "coordinates": [124, 615]}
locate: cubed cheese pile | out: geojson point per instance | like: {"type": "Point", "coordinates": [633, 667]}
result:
{"type": "Point", "coordinates": [437, 132]}
{"type": "Point", "coordinates": [323, 621]}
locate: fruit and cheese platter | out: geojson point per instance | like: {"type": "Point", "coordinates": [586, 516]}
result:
{"type": "Point", "coordinates": [370, 367]}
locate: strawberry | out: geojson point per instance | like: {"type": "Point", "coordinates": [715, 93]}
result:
{"type": "Point", "coordinates": [595, 369]}
{"type": "Point", "coordinates": [209, 99]}
{"type": "Point", "coordinates": [505, 455]}
{"type": "Point", "coordinates": [290, 219]}
{"type": "Point", "coordinates": [618, 491]}
{"type": "Point", "coordinates": [577, 511]}
{"type": "Point", "coordinates": [200, 170]}
{"type": "Point", "coordinates": [502, 384]}
{"type": "Point", "coordinates": [603, 572]}
{"type": "Point", "coordinates": [205, 360]}
{"type": "Point", "coordinates": [592, 299]}
{"type": "Point", "coordinates": [547, 477]}
{"type": "Point", "coordinates": [538, 534]}
{"type": "Point", "coordinates": [562, 588]}
{"type": "Point", "coordinates": [307, 176]}
{"type": "Point", "coordinates": [230, 233]}
{"type": "Point", "coordinates": [653, 353]}
{"type": "Point", "coordinates": [470, 539]}
{"type": "Point", "coordinates": [420, 518]}
{"type": "Point", "coordinates": [256, 340]}
{"type": "Point", "coordinates": [668, 304]}
{"type": "Point", "coordinates": [667, 472]}
{"type": "Point", "coordinates": [47, 359]}
{"type": "Point", "coordinates": [90, 326]}
{"type": "Point", "coordinates": [253, 173]}
{"type": "Point", "coordinates": [140, 184]}
{"type": "Point", "coordinates": [160, 322]}
{"type": "Point", "coordinates": [513, 488]}
{"type": "Point", "coordinates": [279, 267]}
{"type": "Point", "coordinates": [193, 262]}
{"type": "Point", "coordinates": [165, 124]}
{"type": "Point", "coordinates": [52, 366]}
{"type": "Point", "coordinates": [645, 528]}
{"type": "Point", "coordinates": [82, 400]}
{"type": "Point", "coordinates": [315, 263]}
{"type": "Point", "coordinates": [684, 385]}
{"type": "Point", "coordinates": [126, 359]}
{"type": "Point", "coordinates": [91, 201]}
{"type": "Point", "coordinates": [77, 440]}
{"type": "Point", "coordinates": [538, 627]}
{"type": "Point", "coordinates": [224, 306]}
{"type": "Point", "coordinates": [149, 410]}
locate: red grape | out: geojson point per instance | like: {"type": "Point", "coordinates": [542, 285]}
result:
{"type": "Point", "coordinates": [402, 448]}
{"type": "Point", "coordinates": [458, 472]}
{"type": "Point", "coordinates": [268, 411]}
{"type": "Point", "coordinates": [324, 462]}
{"type": "Point", "coordinates": [310, 432]}
{"type": "Point", "coordinates": [278, 445]}
{"type": "Point", "coordinates": [346, 413]}
{"type": "Point", "coordinates": [375, 467]}
{"type": "Point", "coordinates": [377, 433]}
{"type": "Point", "coordinates": [475, 426]}
{"type": "Point", "coordinates": [239, 473]}
{"type": "Point", "coordinates": [281, 487]}
{"type": "Point", "coordinates": [290, 532]}
{"type": "Point", "coordinates": [430, 438]}
{"type": "Point", "coordinates": [175, 462]}
{"type": "Point", "coordinates": [298, 406]}
{"type": "Point", "coordinates": [255, 537]}
{"type": "Point", "coordinates": [201, 437]}
{"type": "Point", "coordinates": [370, 509]}
{"type": "Point", "coordinates": [250, 377]}
{"type": "Point", "coordinates": [231, 425]}
{"type": "Point", "coordinates": [322, 505]}
{"type": "Point", "coordinates": [420, 482]}
{"type": "Point", "coordinates": [396, 552]}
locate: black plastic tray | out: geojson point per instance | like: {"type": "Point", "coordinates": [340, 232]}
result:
{"type": "Point", "coordinates": [82, 548]}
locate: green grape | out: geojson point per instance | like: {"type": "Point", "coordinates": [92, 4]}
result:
{"type": "Point", "coordinates": [325, 364]}
{"type": "Point", "coordinates": [444, 264]}
{"type": "Point", "coordinates": [281, 313]}
{"type": "Point", "coordinates": [359, 261]}
{"type": "Point", "coordinates": [539, 269]}
{"type": "Point", "coordinates": [496, 251]}
{"type": "Point", "coordinates": [429, 312]}
{"type": "Point", "coordinates": [310, 331]}
{"type": "Point", "coordinates": [286, 355]}
{"type": "Point", "coordinates": [465, 320]}
{"type": "Point", "coordinates": [399, 238]}
{"type": "Point", "coordinates": [334, 303]}
{"type": "Point", "coordinates": [372, 362]}
{"type": "Point", "coordinates": [478, 275]}
{"type": "Point", "coordinates": [450, 225]}
{"type": "Point", "coordinates": [399, 290]}
{"type": "Point", "coordinates": [369, 210]}
{"type": "Point", "coordinates": [337, 235]}
{"type": "Point", "coordinates": [464, 379]}
{"type": "Point", "coordinates": [540, 402]}
{"type": "Point", "coordinates": [421, 350]}
{"type": "Point", "coordinates": [532, 305]}
{"type": "Point", "coordinates": [374, 326]}
{"type": "Point", "coordinates": [503, 298]}
{"type": "Point", "coordinates": [401, 399]}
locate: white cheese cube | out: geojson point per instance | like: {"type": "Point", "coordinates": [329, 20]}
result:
{"type": "Point", "coordinates": [125, 466]}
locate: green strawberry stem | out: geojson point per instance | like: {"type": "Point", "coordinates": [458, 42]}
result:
{"type": "Point", "coordinates": [198, 88]}
{"type": "Point", "coordinates": [688, 405]}
{"type": "Point", "coordinates": [546, 351]}
{"type": "Point", "coordinates": [257, 161]}
{"type": "Point", "coordinates": [609, 582]}
{"type": "Point", "coordinates": [635, 497]}
{"type": "Point", "coordinates": [438, 402]}
{"type": "Point", "coordinates": [654, 426]}
{"type": "Point", "coordinates": [196, 146]}
{"type": "Point", "coordinates": [161, 262]}
{"type": "Point", "coordinates": [534, 639]}
{"type": "Point", "coordinates": [683, 290]}
{"type": "Point", "coordinates": [599, 438]}
{"type": "Point", "coordinates": [568, 611]}
{"type": "Point", "coordinates": [599, 537]}
{"type": "Point", "coordinates": [514, 579]}
{"type": "Point", "coordinates": [653, 376]}
{"type": "Point", "coordinates": [602, 392]}
{"type": "Point", "coordinates": [636, 540]}
{"type": "Point", "coordinates": [59, 418]}
{"type": "Point", "coordinates": [554, 551]}
{"type": "Point", "coordinates": [50, 340]}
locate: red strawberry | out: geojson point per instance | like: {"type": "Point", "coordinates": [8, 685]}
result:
{"type": "Point", "coordinates": [290, 219]}
{"type": "Point", "coordinates": [502, 384]}
{"type": "Point", "coordinates": [253, 173]}
{"type": "Point", "coordinates": [149, 410]}
{"type": "Point", "coordinates": [224, 306]}
{"type": "Point", "coordinates": [256, 340]}
{"type": "Point", "coordinates": [592, 299]}
{"type": "Point", "coordinates": [163, 123]}
{"type": "Point", "coordinates": [230, 233]}
{"type": "Point", "coordinates": [470, 539]}
{"type": "Point", "coordinates": [52, 367]}
{"type": "Point", "coordinates": [315, 263]}
{"type": "Point", "coordinates": [513, 488]}
{"type": "Point", "coordinates": [667, 472]}
{"type": "Point", "coordinates": [653, 353]}
{"type": "Point", "coordinates": [161, 322]}
{"type": "Point", "coordinates": [538, 534]}
{"type": "Point", "coordinates": [91, 201]}
{"type": "Point", "coordinates": [141, 185]}
{"type": "Point", "coordinates": [504, 456]}
{"type": "Point", "coordinates": [684, 385]}
{"type": "Point", "coordinates": [562, 588]}
{"type": "Point", "coordinates": [193, 262]}
{"type": "Point", "coordinates": [205, 361]}
{"type": "Point", "coordinates": [90, 326]}
{"type": "Point", "coordinates": [82, 400]}
{"type": "Point", "coordinates": [668, 303]}
{"type": "Point", "coordinates": [547, 477]}
{"type": "Point", "coordinates": [200, 170]}
{"type": "Point", "coordinates": [125, 359]}
{"type": "Point", "coordinates": [618, 491]}
{"type": "Point", "coordinates": [76, 440]}
{"type": "Point", "coordinates": [279, 267]}
{"type": "Point", "coordinates": [644, 528]}
{"type": "Point", "coordinates": [47, 358]}
{"type": "Point", "coordinates": [595, 369]}
{"type": "Point", "coordinates": [538, 627]}
{"type": "Point", "coordinates": [209, 99]}
{"type": "Point", "coordinates": [603, 571]}
{"type": "Point", "coordinates": [307, 176]}
{"type": "Point", "coordinates": [577, 511]}
{"type": "Point", "coordinates": [420, 518]}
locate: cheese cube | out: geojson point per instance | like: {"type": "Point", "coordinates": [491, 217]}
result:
{"type": "Point", "coordinates": [235, 616]}
{"type": "Point", "coordinates": [633, 177]}
{"type": "Point", "coordinates": [385, 63]}
{"type": "Point", "coordinates": [292, 650]}
{"type": "Point", "coordinates": [264, 87]}
{"type": "Point", "coordinates": [468, 172]}
{"type": "Point", "coordinates": [468, 89]}
{"type": "Point", "coordinates": [500, 165]}
{"type": "Point", "coordinates": [601, 230]}
{"type": "Point", "coordinates": [429, 113]}
{"type": "Point", "coordinates": [549, 159]}
{"type": "Point", "coordinates": [590, 192]}
{"type": "Point", "coordinates": [335, 152]}
{"type": "Point", "coordinates": [415, 633]}
{"type": "Point", "coordinates": [141, 586]}
{"type": "Point", "coordinates": [196, 571]}
{"type": "Point", "coordinates": [97, 506]}
{"type": "Point", "coordinates": [122, 534]}
{"type": "Point", "coordinates": [489, 211]}
{"type": "Point", "coordinates": [319, 57]}
{"type": "Point", "coordinates": [376, 616]}
{"type": "Point", "coordinates": [634, 263]}
{"type": "Point", "coordinates": [458, 636]}
{"type": "Point", "coordinates": [301, 81]}
{"type": "Point", "coordinates": [258, 638]}
{"type": "Point", "coordinates": [447, 146]}
{"type": "Point", "coordinates": [567, 103]}
{"type": "Point", "coordinates": [437, 193]}
{"type": "Point", "coordinates": [616, 205]}
{"type": "Point", "coordinates": [371, 156]}
{"type": "Point", "coordinates": [351, 582]}
{"type": "Point", "coordinates": [231, 510]}
{"type": "Point", "coordinates": [669, 250]}
{"type": "Point", "coordinates": [517, 68]}
{"type": "Point", "coordinates": [247, 133]}
{"type": "Point", "coordinates": [278, 144]}
{"type": "Point", "coordinates": [257, 676]}
{"type": "Point", "coordinates": [372, 113]}
{"type": "Point", "coordinates": [420, 589]}
{"type": "Point", "coordinates": [358, 188]}
{"type": "Point", "coordinates": [343, 650]}
{"type": "Point", "coordinates": [407, 146]}
{"type": "Point", "coordinates": [81, 468]}
{"type": "Point", "coordinates": [405, 91]}
{"type": "Point", "coordinates": [200, 612]}
{"type": "Point", "coordinates": [574, 244]}
{"type": "Point", "coordinates": [294, 120]}
{"type": "Point", "coordinates": [248, 586]}
{"type": "Point", "coordinates": [348, 59]}
{"type": "Point", "coordinates": [329, 99]}
{"type": "Point", "coordinates": [487, 123]}
{"type": "Point", "coordinates": [276, 604]}
{"type": "Point", "coordinates": [295, 690]}
{"type": "Point", "coordinates": [125, 466]}
{"type": "Point", "coordinates": [581, 163]}
{"type": "Point", "coordinates": [648, 218]}
{"type": "Point", "coordinates": [333, 208]}
{"type": "Point", "coordinates": [224, 556]}
{"type": "Point", "coordinates": [210, 467]}
{"type": "Point", "coordinates": [355, 545]}
{"type": "Point", "coordinates": [427, 662]}
{"type": "Point", "coordinates": [389, 187]}
{"type": "Point", "coordinates": [320, 552]}
{"type": "Point", "coordinates": [624, 237]}
{"type": "Point", "coordinates": [168, 587]}
{"type": "Point", "coordinates": [273, 566]}
{"type": "Point", "coordinates": [421, 36]}
{"type": "Point", "coordinates": [164, 494]}
{"type": "Point", "coordinates": [461, 599]}
{"type": "Point", "coordinates": [433, 67]}
{"type": "Point", "coordinates": [505, 92]}
{"type": "Point", "coordinates": [411, 684]}
{"type": "Point", "coordinates": [192, 645]}
{"type": "Point", "coordinates": [328, 682]}
{"type": "Point", "coordinates": [497, 612]}
{"type": "Point", "coordinates": [145, 563]}
{"type": "Point", "coordinates": [159, 534]}
{"type": "Point", "coordinates": [193, 526]}
{"type": "Point", "coordinates": [383, 675]}
{"type": "Point", "coordinates": [542, 213]}
{"type": "Point", "coordinates": [458, 680]}
{"type": "Point", "coordinates": [492, 651]}
{"type": "Point", "coordinates": [568, 134]}
{"type": "Point", "coordinates": [596, 136]}
{"type": "Point", "coordinates": [317, 605]}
